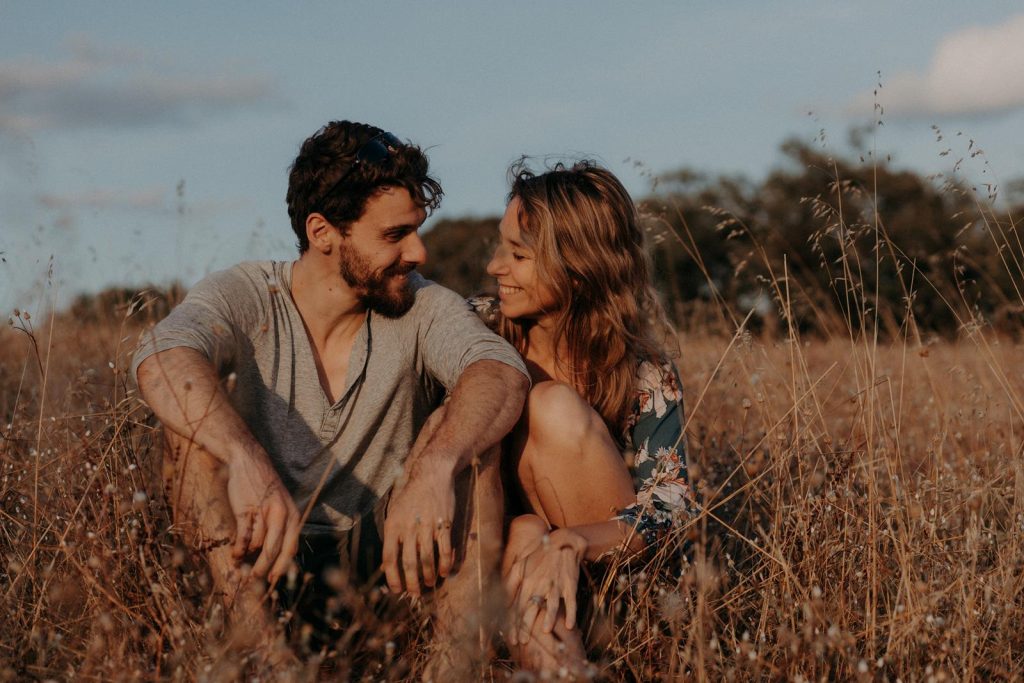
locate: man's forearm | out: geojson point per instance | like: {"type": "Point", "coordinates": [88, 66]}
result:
{"type": "Point", "coordinates": [486, 403]}
{"type": "Point", "coordinates": [182, 388]}
{"type": "Point", "coordinates": [484, 406]}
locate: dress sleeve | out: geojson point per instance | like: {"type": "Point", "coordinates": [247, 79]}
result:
{"type": "Point", "coordinates": [487, 309]}
{"type": "Point", "coordinates": [664, 499]}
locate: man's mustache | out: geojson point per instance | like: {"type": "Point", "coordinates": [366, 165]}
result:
{"type": "Point", "coordinates": [398, 269]}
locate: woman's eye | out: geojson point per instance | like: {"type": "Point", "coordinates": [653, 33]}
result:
{"type": "Point", "coordinates": [517, 257]}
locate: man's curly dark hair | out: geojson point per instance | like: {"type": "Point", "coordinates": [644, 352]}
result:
{"type": "Point", "coordinates": [329, 154]}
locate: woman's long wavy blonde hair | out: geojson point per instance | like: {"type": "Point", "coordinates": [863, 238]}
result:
{"type": "Point", "coordinates": [585, 232]}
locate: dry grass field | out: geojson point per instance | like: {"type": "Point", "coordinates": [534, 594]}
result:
{"type": "Point", "coordinates": [864, 517]}
{"type": "Point", "coordinates": [862, 492]}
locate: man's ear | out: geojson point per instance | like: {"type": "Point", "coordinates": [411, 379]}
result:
{"type": "Point", "coordinates": [320, 233]}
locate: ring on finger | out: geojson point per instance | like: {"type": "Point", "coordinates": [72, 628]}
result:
{"type": "Point", "coordinates": [536, 600]}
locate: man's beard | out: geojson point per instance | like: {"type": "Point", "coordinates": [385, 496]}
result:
{"type": "Point", "coordinates": [372, 288]}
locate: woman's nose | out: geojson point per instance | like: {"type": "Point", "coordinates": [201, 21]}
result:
{"type": "Point", "coordinates": [494, 266]}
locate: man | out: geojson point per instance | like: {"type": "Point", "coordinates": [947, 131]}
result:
{"type": "Point", "coordinates": [331, 366]}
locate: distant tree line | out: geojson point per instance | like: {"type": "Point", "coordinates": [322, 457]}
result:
{"type": "Point", "coordinates": [825, 244]}
{"type": "Point", "coordinates": [114, 304]}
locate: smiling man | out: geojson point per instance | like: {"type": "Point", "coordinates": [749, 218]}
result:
{"type": "Point", "coordinates": [302, 401]}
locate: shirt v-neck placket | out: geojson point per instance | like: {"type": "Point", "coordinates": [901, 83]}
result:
{"type": "Point", "coordinates": [331, 421]}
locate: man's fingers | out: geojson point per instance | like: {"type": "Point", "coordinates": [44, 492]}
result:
{"type": "Point", "coordinates": [259, 532]}
{"type": "Point", "coordinates": [445, 555]}
{"type": "Point", "coordinates": [425, 546]}
{"type": "Point", "coordinates": [243, 533]}
{"type": "Point", "coordinates": [289, 546]}
{"type": "Point", "coordinates": [410, 567]}
{"type": "Point", "coordinates": [271, 543]}
{"type": "Point", "coordinates": [427, 565]}
{"type": "Point", "coordinates": [390, 561]}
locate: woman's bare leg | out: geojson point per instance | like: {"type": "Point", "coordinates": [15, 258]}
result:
{"type": "Point", "coordinates": [570, 473]}
{"type": "Point", "coordinates": [570, 470]}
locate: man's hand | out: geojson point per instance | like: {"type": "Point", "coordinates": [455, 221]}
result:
{"type": "Point", "coordinates": [419, 516]}
{"type": "Point", "coordinates": [484, 405]}
{"type": "Point", "coordinates": [265, 516]}
{"type": "Point", "coordinates": [182, 387]}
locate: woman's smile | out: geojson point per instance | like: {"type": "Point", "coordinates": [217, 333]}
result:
{"type": "Point", "coordinates": [508, 290]}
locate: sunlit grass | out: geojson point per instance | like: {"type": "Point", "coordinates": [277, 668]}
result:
{"type": "Point", "coordinates": [864, 519]}
{"type": "Point", "coordinates": [862, 488]}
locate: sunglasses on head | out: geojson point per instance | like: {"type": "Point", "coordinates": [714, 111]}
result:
{"type": "Point", "coordinates": [373, 151]}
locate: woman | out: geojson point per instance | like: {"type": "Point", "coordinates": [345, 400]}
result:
{"type": "Point", "coordinates": [576, 301]}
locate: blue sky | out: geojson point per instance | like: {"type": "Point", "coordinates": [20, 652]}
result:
{"type": "Point", "coordinates": [145, 142]}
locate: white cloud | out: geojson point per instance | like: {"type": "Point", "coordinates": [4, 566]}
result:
{"type": "Point", "coordinates": [976, 71]}
{"type": "Point", "coordinates": [113, 87]}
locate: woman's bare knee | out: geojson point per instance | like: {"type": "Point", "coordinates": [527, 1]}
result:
{"type": "Point", "coordinates": [567, 439]}
{"type": "Point", "coordinates": [557, 414]}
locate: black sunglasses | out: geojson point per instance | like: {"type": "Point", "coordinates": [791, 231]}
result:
{"type": "Point", "coordinates": [374, 151]}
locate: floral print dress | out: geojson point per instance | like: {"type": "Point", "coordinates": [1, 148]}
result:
{"type": "Point", "coordinates": [653, 432]}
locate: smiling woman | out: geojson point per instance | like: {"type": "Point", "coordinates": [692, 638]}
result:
{"type": "Point", "coordinates": [576, 301]}
{"type": "Point", "coordinates": [522, 293]}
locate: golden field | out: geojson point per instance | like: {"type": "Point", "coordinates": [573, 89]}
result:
{"type": "Point", "coordinates": [864, 516]}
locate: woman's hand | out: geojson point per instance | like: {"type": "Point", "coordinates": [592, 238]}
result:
{"type": "Point", "coordinates": [541, 572]}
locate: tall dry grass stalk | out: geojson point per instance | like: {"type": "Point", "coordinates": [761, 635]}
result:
{"type": "Point", "coordinates": [863, 510]}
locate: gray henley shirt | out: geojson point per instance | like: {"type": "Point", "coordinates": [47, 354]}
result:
{"type": "Point", "coordinates": [244, 320]}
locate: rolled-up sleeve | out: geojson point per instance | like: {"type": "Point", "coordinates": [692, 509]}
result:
{"type": "Point", "coordinates": [452, 337]}
{"type": "Point", "coordinates": [209, 320]}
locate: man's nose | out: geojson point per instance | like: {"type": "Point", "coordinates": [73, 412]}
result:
{"type": "Point", "coordinates": [414, 251]}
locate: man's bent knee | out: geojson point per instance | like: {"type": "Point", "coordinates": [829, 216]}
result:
{"type": "Point", "coordinates": [478, 492]}
{"type": "Point", "coordinates": [197, 488]}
